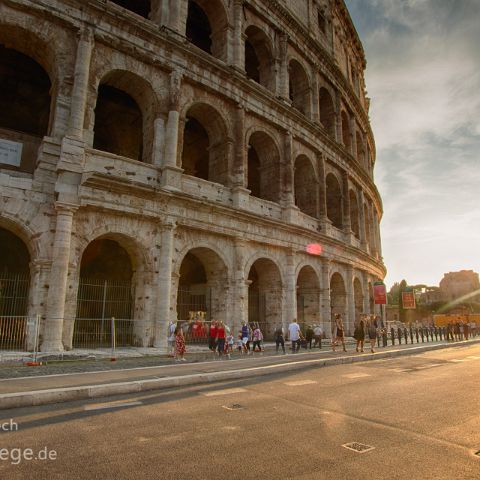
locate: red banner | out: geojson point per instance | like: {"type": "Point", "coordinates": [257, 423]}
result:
{"type": "Point", "coordinates": [408, 299]}
{"type": "Point", "coordinates": [380, 294]}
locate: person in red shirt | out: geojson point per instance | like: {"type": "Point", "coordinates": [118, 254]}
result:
{"type": "Point", "coordinates": [220, 339]}
{"type": "Point", "coordinates": [212, 335]}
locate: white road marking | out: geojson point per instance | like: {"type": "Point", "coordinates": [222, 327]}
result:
{"type": "Point", "coordinates": [456, 360]}
{"type": "Point", "coordinates": [103, 406]}
{"type": "Point", "coordinates": [298, 383]}
{"type": "Point", "coordinates": [227, 391]}
{"type": "Point", "coordinates": [473, 357]}
{"type": "Point", "coordinates": [356, 375]}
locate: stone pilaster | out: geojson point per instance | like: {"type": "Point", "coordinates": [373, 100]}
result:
{"type": "Point", "coordinates": [325, 305]}
{"type": "Point", "coordinates": [52, 335]}
{"type": "Point", "coordinates": [238, 42]}
{"type": "Point", "coordinates": [322, 194]}
{"type": "Point", "coordinates": [290, 290]}
{"type": "Point", "coordinates": [240, 193]}
{"type": "Point", "coordinates": [164, 285]}
{"type": "Point", "coordinates": [80, 84]}
{"type": "Point", "coordinates": [347, 221]}
{"type": "Point", "coordinates": [315, 98]}
{"type": "Point", "coordinates": [240, 290]}
{"type": "Point", "coordinates": [362, 220]}
{"type": "Point", "coordinates": [350, 300]}
{"type": "Point", "coordinates": [283, 67]}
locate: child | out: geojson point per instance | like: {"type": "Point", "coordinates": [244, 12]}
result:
{"type": "Point", "coordinates": [179, 345]}
{"type": "Point", "coordinates": [240, 342]}
{"type": "Point", "coordinates": [229, 344]}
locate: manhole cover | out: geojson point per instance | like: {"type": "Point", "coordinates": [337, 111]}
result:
{"type": "Point", "coordinates": [477, 453]}
{"type": "Point", "coordinates": [235, 406]}
{"type": "Point", "coordinates": [358, 447]}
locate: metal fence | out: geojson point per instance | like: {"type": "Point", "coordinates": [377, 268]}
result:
{"type": "Point", "coordinates": [13, 333]}
{"type": "Point", "coordinates": [14, 289]}
{"type": "Point", "coordinates": [99, 301]}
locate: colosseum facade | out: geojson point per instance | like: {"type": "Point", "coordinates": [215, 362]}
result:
{"type": "Point", "coordinates": [170, 158]}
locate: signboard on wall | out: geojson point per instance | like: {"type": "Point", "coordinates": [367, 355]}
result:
{"type": "Point", "coordinates": [380, 293]}
{"type": "Point", "coordinates": [10, 152]}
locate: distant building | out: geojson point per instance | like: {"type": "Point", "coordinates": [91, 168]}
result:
{"type": "Point", "coordinates": [458, 284]}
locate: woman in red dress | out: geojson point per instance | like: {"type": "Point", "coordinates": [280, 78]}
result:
{"type": "Point", "coordinates": [179, 346]}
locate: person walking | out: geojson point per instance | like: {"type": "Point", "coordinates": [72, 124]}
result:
{"type": "Point", "coordinates": [294, 334]}
{"type": "Point", "coordinates": [317, 336]}
{"type": "Point", "coordinates": [180, 348]}
{"type": "Point", "coordinates": [212, 335]}
{"type": "Point", "coordinates": [171, 338]}
{"type": "Point", "coordinates": [359, 333]}
{"type": "Point", "coordinates": [257, 339]}
{"type": "Point", "coordinates": [246, 332]}
{"type": "Point", "coordinates": [279, 338]}
{"type": "Point", "coordinates": [372, 332]}
{"type": "Point", "coordinates": [309, 336]}
{"type": "Point", "coordinates": [220, 338]}
{"type": "Point", "coordinates": [339, 332]}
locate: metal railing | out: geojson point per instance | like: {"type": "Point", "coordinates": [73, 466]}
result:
{"type": "Point", "coordinates": [13, 333]}
{"type": "Point", "coordinates": [97, 332]}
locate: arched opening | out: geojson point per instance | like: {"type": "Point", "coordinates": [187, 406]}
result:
{"type": "Point", "coordinates": [305, 186]}
{"type": "Point", "coordinates": [265, 296]}
{"type": "Point", "coordinates": [264, 159]}
{"type": "Point", "coordinates": [205, 147]}
{"type": "Point", "coordinates": [118, 123]}
{"type": "Point", "coordinates": [105, 291]}
{"type": "Point", "coordinates": [354, 214]}
{"type": "Point", "coordinates": [299, 88]}
{"type": "Point", "coordinates": [202, 293]}
{"type": "Point", "coordinates": [360, 150]}
{"type": "Point", "coordinates": [308, 296]}
{"type": "Point", "coordinates": [346, 131]}
{"type": "Point", "coordinates": [338, 298]}
{"type": "Point", "coordinates": [334, 201]}
{"type": "Point", "coordinates": [327, 111]}
{"type": "Point", "coordinates": [25, 113]}
{"type": "Point", "coordinates": [140, 7]}
{"type": "Point", "coordinates": [14, 291]}
{"type": "Point", "coordinates": [358, 298]}
{"type": "Point", "coordinates": [258, 57]}
{"type": "Point", "coordinates": [207, 26]}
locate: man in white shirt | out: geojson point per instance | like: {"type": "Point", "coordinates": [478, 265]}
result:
{"type": "Point", "coordinates": [294, 334]}
{"type": "Point", "coordinates": [317, 336]}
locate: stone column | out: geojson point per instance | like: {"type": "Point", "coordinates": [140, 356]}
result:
{"type": "Point", "coordinates": [240, 192]}
{"type": "Point", "coordinates": [240, 290]}
{"type": "Point", "coordinates": [290, 290]}
{"type": "Point", "coordinates": [238, 41]}
{"type": "Point", "coordinates": [325, 306]}
{"type": "Point", "coordinates": [350, 307]}
{"type": "Point", "coordinates": [287, 184]}
{"type": "Point", "coordinates": [366, 293]}
{"type": "Point", "coordinates": [338, 118]}
{"type": "Point", "coordinates": [353, 135]}
{"type": "Point", "coordinates": [315, 98]}
{"type": "Point", "coordinates": [347, 222]}
{"type": "Point", "coordinates": [322, 202]}
{"type": "Point", "coordinates": [171, 174]}
{"type": "Point", "coordinates": [52, 335]}
{"type": "Point", "coordinates": [164, 284]}
{"type": "Point", "coordinates": [362, 219]}
{"type": "Point", "coordinates": [283, 87]}
{"type": "Point", "coordinates": [158, 141]}
{"type": "Point", "coordinates": [80, 83]}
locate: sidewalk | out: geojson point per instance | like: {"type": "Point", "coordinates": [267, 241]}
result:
{"type": "Point", "coordinates": [35, 388]}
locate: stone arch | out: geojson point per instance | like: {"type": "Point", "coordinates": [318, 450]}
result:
{"type": "Point", "coordinates": [360, 150]}
{"type": "Point", "coordinates": [202, 290]}
{"type": "Point", "coordinates": [354, 214]}
{"type": "Point", "coordinates": [258, 57]}
{"type": "Point", "coordinates": [305, 186]}
{"type": "Point", "coordinates": [338, 295]}
{"type": "Point", "coordinates": [358, 298]}
{"type": "Point", "coordinates": [205, 144]}
{"type": "Point", "coordinates": [129, 99]}
{"type": "Point", "coordinates": [308, 296]}
{"type": "Point", "coordinates": [334, 200]}
{"type": "Point", "coordinates": [140, 7]}
{"type": "Point", "coordinates": [299, 87]}
{"type": "Point", "coordinates": [347, 141]}
{"type": "Point", "coordinates": [265, 295]}
{"type": "Point", "coordinates": [207, 26]}
{"type": "Point", "coordinates": [327, 111]}
{"type": "Point", "coordinates": [263, 167]}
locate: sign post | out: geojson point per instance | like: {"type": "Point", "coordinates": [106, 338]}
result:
{"type": "Point", "coordinates": [380, 297]}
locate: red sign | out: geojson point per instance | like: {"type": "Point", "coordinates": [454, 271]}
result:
{"type": "Point", "coordinates": [314, 249]}
{"type": "Point", "coordinates": [408, 299]}
{"type": "Point", "coordinates": [380, 294]}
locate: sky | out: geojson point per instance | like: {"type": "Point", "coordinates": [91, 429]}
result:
{"type": "Point", "coordinates": [423, 78]}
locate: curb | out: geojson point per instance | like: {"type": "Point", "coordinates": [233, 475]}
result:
{"type": "Point", "coordinates": [68, 394]}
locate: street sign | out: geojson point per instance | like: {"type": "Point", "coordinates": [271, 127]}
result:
{"type": "Point", "coordinates": [408, 299]}
{"type": "Point", "coordinates": [380, 293]}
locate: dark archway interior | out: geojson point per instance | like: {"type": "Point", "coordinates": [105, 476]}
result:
{"type": "Point", "coordinates": [24, 93]}
{"type": "Point", "coordinates": [252, 63]}
{"type": "Point", "coordinates": [192, 271]}
{"type": "Point", "coordinates": [253, 172]}
{"type": "Point", "coordinates": [299, 91]}
{"type": "Point", "coordinates": [195, 157]}
{"type": "Point", "coordinates": [140, 7]}
{"type": "Point", "coordinates": [14, 257]}
{"type": "Point", "coordinates": [106, 259]}
{"type": "Point", "coordinates": [327, 111]}
{"type": "Point", "coordinates": [354, 214]}
{"type": "Point", "coordinates": [305, 186]}
{"type": "Point", "coordinates": [334, 201]}
{"type": "Point", "coordinates": [118, 123]}
{"type": "Point", "coordinates": [199, 31]}
{"type": "Point", "coordinates": [346, 130]}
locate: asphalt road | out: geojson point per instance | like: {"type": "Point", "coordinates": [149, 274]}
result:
{"type": "Point", "coordinates": [420, 415]}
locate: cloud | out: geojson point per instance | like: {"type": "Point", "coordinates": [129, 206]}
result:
{"type": "Point", "coordinates": [423, 75]}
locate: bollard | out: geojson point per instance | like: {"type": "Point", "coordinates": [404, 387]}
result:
{"type": "Point", "coordinates": [392, 333]}
{"type": "Point", "coordinates": [411, 335]}
{"type": "Point", "coordinates": [384, 337]}
{"type": "Point", "coordinates": [440, 332]}
{"type": "Point", "coordinates": [436, 333]}
{"type": "Point", "coordinates": [421, 335]}
{"type": "Point", "coordinates": [416, 334]}
{"type": "Point", "coordinates": [405, 334]}
{"type": "Point", "coordinates": [112, 358]}
{"type": "Point", "coordinates": [399, 336]}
